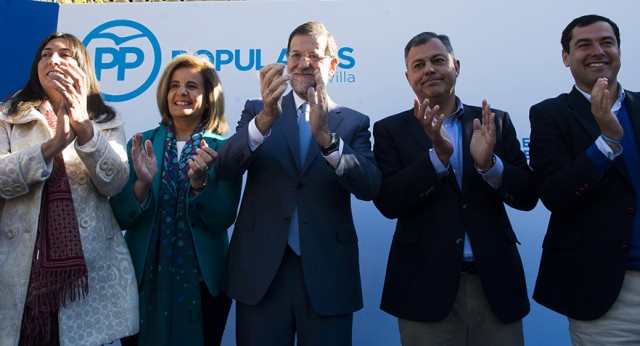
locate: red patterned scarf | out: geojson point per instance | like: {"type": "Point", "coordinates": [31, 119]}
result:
{"type": "Point", "coordinates": [59, 272]}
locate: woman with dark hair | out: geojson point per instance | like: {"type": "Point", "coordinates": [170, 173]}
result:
{"type": "Point", "coordinates": [66, 276]}
{"type": "Point", "coordinates": [176, 211]}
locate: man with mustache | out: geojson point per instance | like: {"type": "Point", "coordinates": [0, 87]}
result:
{"type": "Point", "coordinates": [584, 151]}
{"type": "Point", "coordinates": [454, 275]}
{"type": "Point", "coordinates": [293, 264]}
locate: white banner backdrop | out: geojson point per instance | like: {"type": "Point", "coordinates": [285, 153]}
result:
{"type": "Point", "coordinates": [509, 53]}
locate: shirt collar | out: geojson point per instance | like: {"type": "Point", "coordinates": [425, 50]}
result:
{"type": "Point", "coordinates": [616, 105]}
{"type": "Point", "coordinates": [298, 100]}
{"type": "Point", "coordinates": [458, 113]}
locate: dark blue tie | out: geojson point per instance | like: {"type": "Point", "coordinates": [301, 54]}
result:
{"type": "Point", "coordinates": [304, 132]}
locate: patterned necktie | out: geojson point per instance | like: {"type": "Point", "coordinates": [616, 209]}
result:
{"type": "Point", "coordinates": [304, 132]}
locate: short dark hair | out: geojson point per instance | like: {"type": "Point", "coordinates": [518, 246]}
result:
{"type": "Point", "coordinates": [316, 29]}
{"type": "Point", "coordinates": [567, 33]}
{"type": "Point", "coordinates": [425, 37]}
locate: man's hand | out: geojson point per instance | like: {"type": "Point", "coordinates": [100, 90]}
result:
{"type": "Point", "coordinates": [318, 109]}
{"type": "Point", "coordinates": [273, 84]}
{"type": "Point", "coordinates": [483, 138]}
{"type": "Point", "coordinates": [601, 109]}
{"type": "Point", "coordinates": [432, 125]}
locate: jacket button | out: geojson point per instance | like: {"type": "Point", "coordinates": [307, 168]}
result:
{"type": "Point", "coordinates": [85, 223]}
{"type": "Point", "coordinates": [103, 165]}
{"type": "Point", "coordinates": [82, 179]}
{"type": "Point", "coordinates": [7, 191]}
{"type": "Point", "coordinates": [624, 247]}
{"type": "Point", "coordinates": [11, 233]}
{"type": "Point", "coordinates": [459, 241]}
{"type": "Point", "coordinates": [631, 211]}
{"type": "Point", "coordinates": [464, 205]}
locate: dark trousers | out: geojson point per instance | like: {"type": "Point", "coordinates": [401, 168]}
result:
{"type": "Point", "coordinates": [214, 318]}
{"type": "Point", "coordinates": [286, 313]}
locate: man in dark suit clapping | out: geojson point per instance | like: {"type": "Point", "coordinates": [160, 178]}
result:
{"type": "Point", "coordinates": [293, 265]}
{"type": "Point", "coordinates": [454, 275]}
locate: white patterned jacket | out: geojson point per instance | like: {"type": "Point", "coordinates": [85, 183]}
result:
{"type": "Point", "coordinates": [110, 310]}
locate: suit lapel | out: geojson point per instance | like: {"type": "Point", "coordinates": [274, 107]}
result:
{"type": "Point", "coordinates": [416, 131]}
{"type": "Point", "coordinates": [582, 113]}
{"type": "Point", "coordinates": [633, 108]}
{"type": "Point", "coordinates": [334, 118]}
{"type": "Point", "coordinates": [633, 112]}
{"type": "Point", "coordinates": [157, 141]}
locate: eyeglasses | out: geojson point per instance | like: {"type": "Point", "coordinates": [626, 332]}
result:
{"type": "Point", "coordinates": [295, 57]}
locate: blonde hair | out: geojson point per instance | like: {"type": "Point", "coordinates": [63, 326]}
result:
{"type": "Point", "coordinates": [213, 118]}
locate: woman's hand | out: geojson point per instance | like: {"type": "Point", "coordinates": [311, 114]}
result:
{"type": "Point", "coordinates": [62, 137]}
{"type": "Point", "coordinates": [72, 86]}
{"type": "Point", "coordinates": [144, 164]}
{"type": "Point", "coordinates": [199, 165]}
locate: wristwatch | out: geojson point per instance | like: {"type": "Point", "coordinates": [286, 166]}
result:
{"type": "Point", "coordinates": [334, 144]}
{"type": "Point", "coordinates": [493, 163]}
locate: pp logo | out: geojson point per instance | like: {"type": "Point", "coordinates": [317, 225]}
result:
{"type": "Point", "coordinates": [119, 48]}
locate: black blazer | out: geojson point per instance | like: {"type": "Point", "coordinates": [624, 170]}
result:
{"type": "Point", "coordinates": [425, 260]}
{"type": "Point", "coordinates": [586, 246]}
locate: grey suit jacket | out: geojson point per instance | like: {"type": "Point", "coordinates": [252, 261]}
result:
{"type": "Point", "coordinates": [276, 182]}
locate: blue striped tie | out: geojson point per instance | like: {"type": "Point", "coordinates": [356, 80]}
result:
{"type": "Point", "coordinates": [304, 132]}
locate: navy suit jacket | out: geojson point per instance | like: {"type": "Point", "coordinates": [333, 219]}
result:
{"type": "Point", "coordinates": [276, 181]}
{"type": "Point", "coordinates": [585, 249]}
{"type": "Point", "coordinates": [423, 271]}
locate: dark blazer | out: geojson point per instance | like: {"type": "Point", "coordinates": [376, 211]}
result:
{"type": "Point", "coordinates": [275, 183]}
{"type": "Point", "coordinates": [210, 213]}
{"type": "Point", "coordinates": [425, 259]}
{"type": "Point", "coordinates": [586, 246]}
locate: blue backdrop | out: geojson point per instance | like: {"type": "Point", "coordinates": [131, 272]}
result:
{"type": "Point", "coordinates": [23, 25]}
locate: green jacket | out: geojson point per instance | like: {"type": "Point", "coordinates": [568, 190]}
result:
{"type": "Point", "coordinates": [210, 213]}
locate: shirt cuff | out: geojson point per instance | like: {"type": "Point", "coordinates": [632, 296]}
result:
{"type": "Point", "coordinates": [606, 149]}
{"type": "Point", "coordinates": [256, 138]}
{"type": "Point", "coordinates": [493, 176]}
{"type": "Point", "coordinates": [601, 156]}
{"type": "Point", "coordinates": [334, 158]}
{"type": "Point", "coordinates": [441, 170]}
